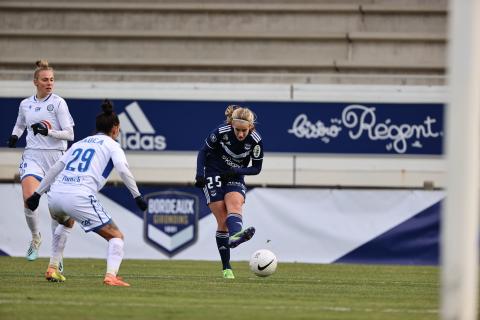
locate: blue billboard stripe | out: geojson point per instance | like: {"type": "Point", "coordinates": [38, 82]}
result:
{"type": "Point", "coordinates": [413, 242]}
{"type": "Point", "coordinates": [3, 253]}
{"type": "Point", "coordinates": [306, 127]}
{"type": "Point", "coordinates": [108, 169]}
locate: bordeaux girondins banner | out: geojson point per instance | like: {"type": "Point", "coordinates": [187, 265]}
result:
{"type": "Point", "coordinates": [171, 220]}
{"type": "Point", "coordinates": [170, 223]}
{"type": "Point", "coordinates": [293, 127]}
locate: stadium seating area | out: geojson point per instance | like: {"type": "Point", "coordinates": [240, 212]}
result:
{"type": "Point", "coordinates": [266, 41]}
{"type": "Point", "coordinates": [244, 50]}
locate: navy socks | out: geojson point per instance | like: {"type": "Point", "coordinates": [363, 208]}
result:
{"type": "Point", "coordinates": [234, 223]}
{"type": "Point", "coordinates": [223, 248]}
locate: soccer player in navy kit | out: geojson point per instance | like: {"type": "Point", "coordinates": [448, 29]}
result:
{"type": "Point", "coordinates": [222, 164]}
{"type": "Point", "coordinates": [49, 126]}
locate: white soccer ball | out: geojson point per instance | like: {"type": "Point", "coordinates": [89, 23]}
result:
{"type": "Point", "coordinates": [263, 263]}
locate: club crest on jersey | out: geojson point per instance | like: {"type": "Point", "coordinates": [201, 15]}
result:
{"type": "Point", "coordinates": [213, 137]}
{"type": "Point", "coordinates": [50, 107]}
{"type": "Point", "coordinates": [171, 221]}
{"type": "Point", "coordinates": [137, 133]}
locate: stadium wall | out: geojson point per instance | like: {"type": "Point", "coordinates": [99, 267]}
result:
{"type": "Point", "coordinates": [322, 151]}
{"type": "Point", "coordinates": [301, 224]}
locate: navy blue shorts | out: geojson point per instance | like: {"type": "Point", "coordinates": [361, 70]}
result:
{"type": "Point", "coordinates": [215, 189]}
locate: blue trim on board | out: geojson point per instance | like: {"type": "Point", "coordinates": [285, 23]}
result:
{"type": "Point", "coordinates": [413, 242]}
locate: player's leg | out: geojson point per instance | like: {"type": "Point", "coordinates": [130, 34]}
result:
{"type": "Point", "coordinates": [55, 266]}
{"type": "Point", "coordinates": [54, 224]}
{"type": "Point", "coordinates": [114, 236]}
{"type": "Point", "coordinates": [92, 216]}
{"type": "Point", "coordinates": [59, 237]}
{"type": "Point", "coordinates": [214, 194]}
{"type": "Point", "coordinates": [46, 159]}
{"type": "Point", "coordinates": [59, 240]}
{"type": "Point", "coordinates": [234, 201]}
{"type": "Point", "coordinates": [29, 185]}
{"type": "Point", "coordinates": [221, 236]}
{"type": "Point", "coordinates": [60, 232]}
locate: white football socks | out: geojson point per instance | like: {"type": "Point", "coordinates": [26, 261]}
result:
{"type": "Point", "coordinates": [115, 255]}
{"type": "Point", "coordinates": [59, 240]}
{"type": "Point", "coordinates": [32, 222]}
{"type": "Point", "coordinates": [54, 225]}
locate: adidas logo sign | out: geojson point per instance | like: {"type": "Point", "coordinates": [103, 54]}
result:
{"type": "Point", "coordinates": [137, 132]}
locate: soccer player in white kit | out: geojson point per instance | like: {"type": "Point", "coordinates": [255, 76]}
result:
{"type": "Point", "coordinates": [77, 177]}
{"type": "Point", "coordinates": [49, 126]}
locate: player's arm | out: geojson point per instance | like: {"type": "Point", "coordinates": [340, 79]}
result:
{"type": "Point", "coordinates": [233, 173]}
{"type": "Point", "coordinates": [254, 169]}
{"type": "Point", "coordinates": [66, 123]}
{"type": "Point", "coordinates": [257, 160]}
{"type": "Point", "coordinates": [50, 176]}
{"type": "Point", "coordinates": [18, 129]}
{"type": "Point", "coordinates": [210, 144]}
{"type": "Point", "coordinates": [201, 160]}
{"type": "Point", "coordinates": [200, 180]}
{"type": "Point", "coordinates": [65, 134]}
{"type": "Point", "coordinates": [33, 201]}
{"type": "Point", "coordinates": [121, 165]}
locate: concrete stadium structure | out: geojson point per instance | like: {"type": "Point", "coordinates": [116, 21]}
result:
{"type": "Point", "coordinates": [310, 50]}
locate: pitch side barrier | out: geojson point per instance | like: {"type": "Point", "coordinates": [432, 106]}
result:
{"type": "Point", "coordinates": [303, 225]}
{"type": "Point", "coordinates": [314, 135]}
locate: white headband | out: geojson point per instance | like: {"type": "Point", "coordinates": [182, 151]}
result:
{"type": "Point", "coordinates": [242, 120]}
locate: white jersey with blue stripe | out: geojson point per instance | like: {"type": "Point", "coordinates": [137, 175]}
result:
{"type": "Point", "coordinates": [88, 164]}
{"type": "Point", "coordinates": [52, 111]}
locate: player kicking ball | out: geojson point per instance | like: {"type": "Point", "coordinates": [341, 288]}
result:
{"type": "Point", "coordinates": [222, 164]}
{"type": "Point", "coordinates": [75, 181]}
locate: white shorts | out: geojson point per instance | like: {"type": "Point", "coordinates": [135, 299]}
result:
{"type": "Point", "coordinates": [84, 208]}
{"type": "Point", "coordinates": [37, 162]}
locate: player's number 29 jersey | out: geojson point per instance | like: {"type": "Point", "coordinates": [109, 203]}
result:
{"type": "Point", "coordinates": [88, 164]}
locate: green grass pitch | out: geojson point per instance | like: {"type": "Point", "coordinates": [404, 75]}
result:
{"type": "Point", "coordinates": [174, 289]}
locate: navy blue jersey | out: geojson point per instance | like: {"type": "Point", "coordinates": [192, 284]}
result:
{"type": "Point", "coordinates": [224, 152]}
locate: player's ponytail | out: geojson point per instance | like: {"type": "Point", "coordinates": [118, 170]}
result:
{"type": "Point", "coordinates": [107, 119]}
{"type": "Point", "coordinates": [229, 112]}
{"type": "Point", "coordinates": [41, 65]}
{"type": "Point", "coordinates": [107, 107]}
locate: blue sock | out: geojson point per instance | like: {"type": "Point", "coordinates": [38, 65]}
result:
{"type": "Point", "coordinates": [234, 223]}
{"type": "Point", "coordinates": [223, 248]}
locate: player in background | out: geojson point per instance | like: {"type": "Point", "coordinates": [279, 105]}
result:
{"type": "Point", "coordinates": [49, 126]}
{"type": "Point", "coordinates": [75, 181]}
{"type": "Point", "coordinates": [221, 165]}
